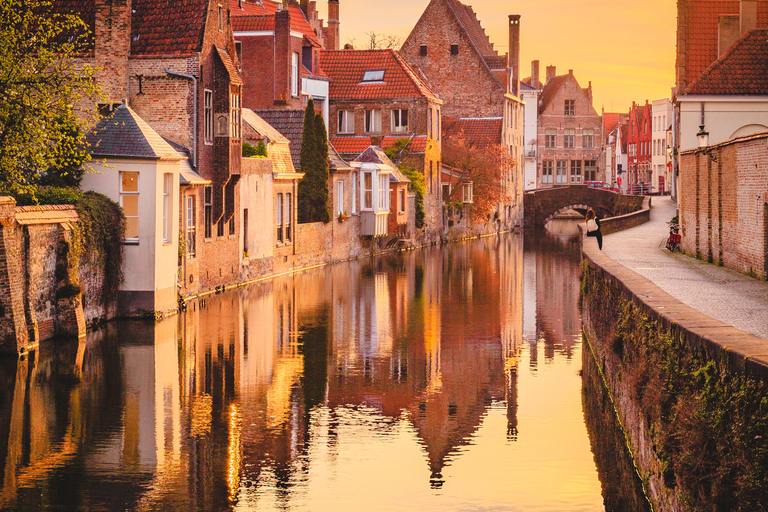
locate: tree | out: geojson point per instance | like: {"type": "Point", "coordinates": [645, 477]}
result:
{"type": "Point", "coordinates": [41, 87]}
{"type": "Point", "coordinates": [396, 152]}
{"type": "Point", "coordinates": [313, 160]}
{"type": "Point", "coordinates": [377, 41]}
{"type": "Point", "coordinates": [483, 165]}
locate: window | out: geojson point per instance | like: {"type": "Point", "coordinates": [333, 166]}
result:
{"type": "Point", "coordinates": [354, 192]}
{"type": "Point", "coordinates": [467, 192]}
{"type": "Point", "coordinates": [446, 191]}
{"type": "Point", "coordinates": [438, 124]}
{"type": "Point", "coordinates": [245, 232]}
{"type": "Point", "coordinates": [550, 139]}
{"type": "Point", "coordinates": [234, 115]}
{"type": "Point", "coordinates": [570, 107]}
{"type": "Point", "coordinates": [346, 122]}
{"type": "Point", "coordinates": [429, 124]}
{"type": "Point", "coordinates": [373, 75]}
{"type": "Point", "coordinates": [588, 139]}
{"type": "Point", "coordinates": [191, 226]}
{"type": "Point", "coordinates": [454, 49]}
{"type": "Point", "coordinates": [279, 212]}
{"type": "Point", "coordinates": [167, 177]}
{"type": "Point", "coordinates": [239, 53]}
{"type": "Point", "coordinates": [220, 228]}
{"type": "Point", "coordinates": [547, 171]}
{"type": "Point", "coordinates": [569, 139]}
{"type": "Point", "coordinates": [221, 18]}
{"type": "Point", "coordinates": [208, 110]}
{"type": "Point", "coordinates": [590, 170]}
{"type": "Point", "coordinates": [288, 217]}
{"type": "Point", "coordinates": [231, 225]}
{"type": "Point", "coordinates": [383, 192]}
{"type": "Point", "coordinates": [208, 210]}
{"type": "Point", "coordinates": [400, 121]}
{"type": "Point", "coordinates": [295, 75]}
{"type": "Point", "coordinates": [401, 201]}
{"type": "Point", "coordinates": [575, 171]}
{"type": "Point", "coordinates": [562, 172]}
{"type": "Point", "coordinates": [423, 50]}
{"type": "Point", "coordinates": [340, 197]}
{"type": "Point", "coordinates": [129, 201]}
{"type": "Point", "coordinates": [367, 190]}
{"type": "Point", "coordinates": [373, 121]}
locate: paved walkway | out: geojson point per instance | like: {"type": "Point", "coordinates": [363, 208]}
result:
{"type": "Point", "coordinates": [719, 292]}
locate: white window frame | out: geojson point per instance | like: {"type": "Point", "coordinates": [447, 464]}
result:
{"type": "Point", "coordinates": [208, 115]}
{"type": "Point", "coordinates": [131, 193]}
{"type": "Point", "coordinates": [383, 192]}
{"type": "Point", "coordinates": [234, 116]}
{"type": "Point", "coordinates": [288, 218]}
{"type": "Point", "coordinates": [367, 191]}
{"type": "Point", "coordinates": [340, 197]}
{"type": "Point", "coordinates": [279, 220]}
{"type": "Point", "coordinates": [547, 171]}
{"type": "Point", "coordinates": [190, 227]}
{"type": "Point", "coordinates": [167, 178]}
{"type": "Point", "coordinates": [400, 120]}
{"type": "Point", "coordinates": [401, 200]}
{"type": "Point", "coordinates": [295, 75]}
{"type": "Point", "coordinates": [561, 178]}
{"type": "Point", "coordinates": [354, 192]}
{"type": "Point", "coordinates": [373, 121]}
{"type": "Point", "coordinates": [346, 121]}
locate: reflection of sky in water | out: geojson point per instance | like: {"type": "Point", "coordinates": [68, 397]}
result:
{"type": "Point", "coordinates": [442, 379]}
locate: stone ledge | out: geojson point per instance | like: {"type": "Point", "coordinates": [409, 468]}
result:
{"type": "Point", "coordinates": [743, 352]}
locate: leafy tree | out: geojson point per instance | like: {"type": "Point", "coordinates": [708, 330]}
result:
{"type": "Point", "coordinates": [313, 161]}
{"type": "Point", "coordinates": [396, 152]}
{"type": "Point", "coordinates": [41, 90]}
{"type": "Point", "coordinates": [484, 166]}
{"type": "Point", "coordinates": [258, 151]}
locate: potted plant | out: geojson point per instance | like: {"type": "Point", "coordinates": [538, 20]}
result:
{"type": "Point", "coordinates": [343, 216]}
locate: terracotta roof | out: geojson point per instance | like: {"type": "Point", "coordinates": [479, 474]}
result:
{"type": "Point", "coordinates": [346, 69]}
{"type": "Point", "coordinates": [742, 70]}
{"type": "Point", "coordinates": [356, 145]}
{"type": "Point", "coordinates": [480, 132]}
{"type": "Point", "coordinates": [125, 134]}
{"type": "Point", "coordinates": [700, 31]}
{"type": "Point", "coordinates": [253, 23]}
{"type": "Point", "coordinates": [299, 22]}
{"type": "Point", "coordinates": [82, 8]}
{"type": "Point", "coordinates": [550, 90]}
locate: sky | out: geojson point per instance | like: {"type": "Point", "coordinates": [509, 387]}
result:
{"type": "Point", "coordinates": [626, 48]}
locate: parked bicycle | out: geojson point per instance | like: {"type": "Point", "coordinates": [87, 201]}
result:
{"type": "Point", "coordinates": [673, 241]}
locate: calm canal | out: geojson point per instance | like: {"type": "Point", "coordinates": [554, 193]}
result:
{"type": "Point", "coordinates": [450, 378]}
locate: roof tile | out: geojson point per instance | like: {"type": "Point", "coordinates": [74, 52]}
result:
{"type": "Point", "coordinates": [481, 132]}
{"type": "Point", "coordinates": [742, 70]}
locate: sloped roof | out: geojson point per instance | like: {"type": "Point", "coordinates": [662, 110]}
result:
{"type": "Point", "coordinates": [742, 70]}
{"type": "Point", "coordinates": [467, 18]}
{"type": "Point", "coordinates": [234, 74]}
{"type": "Point", "coordinates": [550, 90]}
{"type": "Point", "coordinates": [346, 69]}
{"type": "Point", "coordinates": [126, 135]}
{"type": "Point", "coordinates": [374, 155]}
{"type": "Point", "coordinates": [335, 161]}
{"type": "Point", "coordinates": [261, 126]}
{"type": "Point", "coordinates": [357, 144]}
{"type": "Point", "coordinates": [250, 9]}
{"type": "Point", "coordinates": [480, 132]}
{"type": "Point", "coordinates": [700, 31]}
{"type": "Point", "coordinates": [397, 176]}
{"type": "Point", "coordinates": [248, 23]}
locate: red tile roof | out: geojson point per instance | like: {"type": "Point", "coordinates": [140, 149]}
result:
{"type": "Point", "coordinates": [700, 32]}
{"type": "Point", "coordinates": [346, 69]}
{"type": "Point", "coordinates": [742, 70]}
{"type": "Point", "coordinates": [356, 145]}
{"type": "Point", "coordinates": [481, 132]}
{"type": "Point", "coordinates": [252, 23]}
{"type": "Point", "coordinates": [170, 27]}
{"type": "Point", "coordinates": [234, 74]}
{"type": "Point", "coordinates": [248, 9]}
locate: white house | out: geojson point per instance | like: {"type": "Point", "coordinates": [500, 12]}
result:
{"type": "Point", "coordinates": [138, 169]}
{"type": "Point", "coordinates": [661, 174]}
{"type": "Point", "coordinates": [529, 93]}
{"type": "Point", "coordinates": [374, 171]}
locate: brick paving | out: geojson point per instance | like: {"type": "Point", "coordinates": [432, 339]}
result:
{"type": "Point", "coordinates": [719, 292]}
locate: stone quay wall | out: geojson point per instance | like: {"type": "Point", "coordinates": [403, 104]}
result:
{"type": "Point", "coordinates": [689, 391]}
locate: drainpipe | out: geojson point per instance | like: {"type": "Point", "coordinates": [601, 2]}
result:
{"type": "Point", "coordinates": [194, 112]}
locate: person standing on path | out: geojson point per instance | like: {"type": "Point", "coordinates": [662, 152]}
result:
{"type": "Point", "coordinates": [593, 227]}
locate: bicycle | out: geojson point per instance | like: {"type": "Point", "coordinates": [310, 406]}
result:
{"type": "Point", "coordinates": [673, 241]}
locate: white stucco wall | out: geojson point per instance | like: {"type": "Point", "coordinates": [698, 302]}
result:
{"type": "Point", "coordinates": [724, 116]}
{"type": "Point", "coordinates": [257, 195]}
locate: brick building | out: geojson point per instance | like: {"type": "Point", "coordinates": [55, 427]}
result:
{"type": "Point", "coordinates": [376, 95]}
{"type": "Point", "coordinates": [449, 47]}
{"type": "Point", "coordinates": [570, 130]}
{"type": "Point", "coordinates": [175, 65]}
{"type": "Point", "coordinates": [614, 150]}
{"type": "Point", "coordinates": [639, 139]}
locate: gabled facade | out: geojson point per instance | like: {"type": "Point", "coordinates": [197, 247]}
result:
{"type": "Point", "coordinates": [639, 141]}
{"type": "Point", "coordinates": [374, 172]}
{"type": "Point", "coordinates": [530, 90]}
{"type": "Point", "coordinates": [570, 129]}
{"type": "Point", "coordinates": [176, 66]}
{"type": "Point", "coordinates": [448, 46]}
{"type": "Point", "coordinates": [612, 157]}
{"type": "Point", "coordinates": [662, 113]}
{"type": "Point", "coordinates": [280, 56]}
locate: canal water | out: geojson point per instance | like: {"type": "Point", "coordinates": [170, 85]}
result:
{"type": "Point", "coordinates": [450, 378]}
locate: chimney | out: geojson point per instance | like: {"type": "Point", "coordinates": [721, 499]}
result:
{"type": "Point", "coordinates": [112, 27]}
{"type": "Point", "coordinates": [377, 140]}
{"type": "Point", "coordinates": [535, 83]}
{"type": "Point", "coordinates": [283, 55]}
{"type": "Point", "coordinates": [727, 32]}
{"type": "Point", "coordinates": [551, 72]}
{"type": "Point", "coordinates": [332, 39]}
{"type": "Point", "coordinates": [570, 72]}
{"type": "Point", "coordinates": [514, 54]}
{"type": "Point", "coordinates": [589, 92]}
{"type": "Point", "coordinates": [747, 15]}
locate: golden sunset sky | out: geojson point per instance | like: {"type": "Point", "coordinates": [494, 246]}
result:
{"type": "Point", "coordinates": [626, 48]}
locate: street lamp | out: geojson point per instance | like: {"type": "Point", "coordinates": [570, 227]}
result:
{"type": "Point", "coordinates": [703, 137]}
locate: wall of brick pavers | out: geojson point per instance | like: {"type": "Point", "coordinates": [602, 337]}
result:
{"type": "Point", "coordinates": [626, 319]}
{"type": "Point", "coordinates": [723, 201]}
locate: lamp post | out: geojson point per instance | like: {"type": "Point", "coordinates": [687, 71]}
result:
{"type": "Point", "coordinates": [703, 137]}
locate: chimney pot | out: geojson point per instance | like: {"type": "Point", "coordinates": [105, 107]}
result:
{"type": "Point", "coordinates": [551, 72]}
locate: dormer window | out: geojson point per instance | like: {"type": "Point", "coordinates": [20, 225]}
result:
{"type": "Point", "coordinates": [373, 75]}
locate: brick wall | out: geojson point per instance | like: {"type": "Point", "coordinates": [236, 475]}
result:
{"type": "Point", "coordinates": [723, 196]}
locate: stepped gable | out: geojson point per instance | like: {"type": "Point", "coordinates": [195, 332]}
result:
{"type": "Point", "coordinates": [742, 70]}
{"type": "Point", "coordinates": [467, 18]}
{"type": "Point", "coordinates": [480, 132]}
{"type": "Point", "coordinates": [346, 68]}
{"type": "Point", "coordinates": [126, 135]}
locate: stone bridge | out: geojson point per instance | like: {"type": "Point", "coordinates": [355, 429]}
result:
{"type": "Point", "coordinates": [543, 204]}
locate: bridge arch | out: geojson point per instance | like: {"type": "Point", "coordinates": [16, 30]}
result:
{"type": "Point", "coordinates": [542, 205]}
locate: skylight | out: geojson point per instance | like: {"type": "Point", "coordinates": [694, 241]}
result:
{"type": "Point", "coordinates": [374, 75]}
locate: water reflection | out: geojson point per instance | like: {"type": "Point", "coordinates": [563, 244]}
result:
{"type": "Point", "coordinates": [393, 383]}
